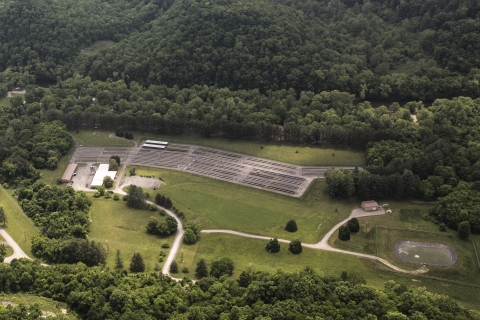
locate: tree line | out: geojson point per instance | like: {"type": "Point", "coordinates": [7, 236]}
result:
{"type": "Point", "coordinates": [99, 293]}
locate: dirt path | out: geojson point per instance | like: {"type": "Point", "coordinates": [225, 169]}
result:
{"type": "Point", "coordinates": [323, 244]}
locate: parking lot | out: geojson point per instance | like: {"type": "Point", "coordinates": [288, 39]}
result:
{"type": "Point", "coordinates": [250, 171]}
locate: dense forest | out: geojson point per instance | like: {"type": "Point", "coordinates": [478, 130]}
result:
{"type": "Point", "coordinates": [373, 49]}
{"type": "Point", "coordinates": [285, 71]}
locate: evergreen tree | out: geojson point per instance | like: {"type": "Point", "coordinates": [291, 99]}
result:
{"type": "Point", "coordinates": [273, 246]}
{"type": "Point", "coordinates": [3, 252]}
{"type": "Point", "coordinates": [464, 230]}
{"type": "Point", "coordinates": [202, 269]}
{"type": "Point", "coordinates": [174, 267]}
{"type": "Point", "coordinates": [344, 233]}
{"type": "Point", "coordinates": [118, 261]}
{"type": "Point", "coordinates": [295, 246]}
{"type": "Point", "coordinates": [137, 264]}
{"type": "Point", "coordinates": [168, 203]}
{"type": "Point", "coordinates": [291, 226]}
{"type": "Point", "coordinates": [3, 216]}
{"type": "Point", "coordinates": [353, 225]}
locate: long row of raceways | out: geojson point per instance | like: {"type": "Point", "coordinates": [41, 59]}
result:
{"type": "Point", "coordinates": [254, 172]}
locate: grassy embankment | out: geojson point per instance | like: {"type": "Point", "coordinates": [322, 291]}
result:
{"type": "Point", "coordinates": [124, 229]}
{"type": "Point", "coordinates": [217, 204]}
{"type": "Point", "coordinates": [298, 155]}
{"type": "Point", "coordinates": [19, 226]}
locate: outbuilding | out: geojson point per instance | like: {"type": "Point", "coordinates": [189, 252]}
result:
{"type": "Point", "coordinates": [70, 172]}
{"type": "Point", "coordinates": [369, 205]}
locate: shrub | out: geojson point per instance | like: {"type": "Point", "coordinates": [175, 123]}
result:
{"type": "Point", "coordinates": [344, 233]}
{"type": "Point", "coordinates": [116, 197]}
{"type": "Point", "coordinates": [273, 246]}
{"type": "Point", "coordinates": [152, 207]}
{"type": "Point", "coordinates": [165, 245]}
{"type": "Point", "coordinates": [353, 225]}
{"type": "Point", "coordinates": [295, 246]}
{"type": "Point", "coordinates": [108, 195]}
{"type": "Point", "coordinates": [125, 198]}
{"type": "Point", "coordinates": [291, 226]}
{"type": "Point", "coordinates": [185, 270]}
{"type": "Point", "coordinates": [119, 133]}
{"type": "Point", "coordinates": [96, 194]}
{"type": "Point", "coordinates": [189, 237]}
{"type": "Point", "coordinates": [133, 172]}
{"type": "Point", "coordinates": [162, 213]}
{"type": "Point", "coordinates": [222, 267]}
{"type": "Point", "coordinates": [442, 227]}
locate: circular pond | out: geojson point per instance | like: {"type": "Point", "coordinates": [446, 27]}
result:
{"type": "Point", "coordinates": [425, 253]}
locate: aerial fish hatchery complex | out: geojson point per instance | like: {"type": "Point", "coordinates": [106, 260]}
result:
{"type": "Point", "coordinates": [254, 172]}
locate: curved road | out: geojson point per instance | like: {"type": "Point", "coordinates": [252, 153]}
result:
{"type": "Point", "coordinates": [323, 244]}
{"type": "Point", "coordinates": [17, 251]}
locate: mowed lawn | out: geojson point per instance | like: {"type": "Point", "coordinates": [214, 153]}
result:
{"type": "Point", "coordinates": [118, 227]}
{"type": "Point", "coordinates": [87, 138]}
{"type": "Point", "coordinates": [217, 204]}
{"type": "Point", "coordinates": [298, 155]}
{"type": "Point", "coordinates": [19, 226]}
{"type": "Point", "coordinates": [251, 254]}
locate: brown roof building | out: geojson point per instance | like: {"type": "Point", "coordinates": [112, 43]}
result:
{"type": "Point", "coordinates": [369, 205]}
{"type": "Point", "coordinates": [67, 176]}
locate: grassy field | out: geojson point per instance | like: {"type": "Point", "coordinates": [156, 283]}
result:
{"type": "Point", "coordinates": [298, 155]}
{"type": "Point", "coordinates": [45, 304]}
{"type": "Point", "coordinates": [250, 253]}
{"type": "Point", "coordinates": [465, 269]}
{"type": "Point", "coordinates": [124, 229]}
{"type": "Point", "coordinates": [87, 138]}
{"type": "Point", "coordinates": [217, 204]}
{"type": "Point", "coordinates": [19, 226]}
{"type": "Point", "coordinates": [411, 216]}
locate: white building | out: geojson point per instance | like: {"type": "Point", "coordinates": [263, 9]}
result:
{"type": "Point", "coordinates": [101, 173]}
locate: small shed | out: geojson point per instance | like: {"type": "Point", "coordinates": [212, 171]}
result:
{"type": "Point", "coordinates": [67, 176]}
{"type": "Point", "coordinates": [369, 205]}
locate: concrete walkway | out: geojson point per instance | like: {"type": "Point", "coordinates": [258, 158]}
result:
{"type": "Point", "coordinates": [17, 251]}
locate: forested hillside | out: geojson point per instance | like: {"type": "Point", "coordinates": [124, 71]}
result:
{"type": "Point", "coordinates": [373, 49]}
{"type": "Point", "coordinates": [42, 36]}
{"type": "Point", "coordinates": [423, 50]}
